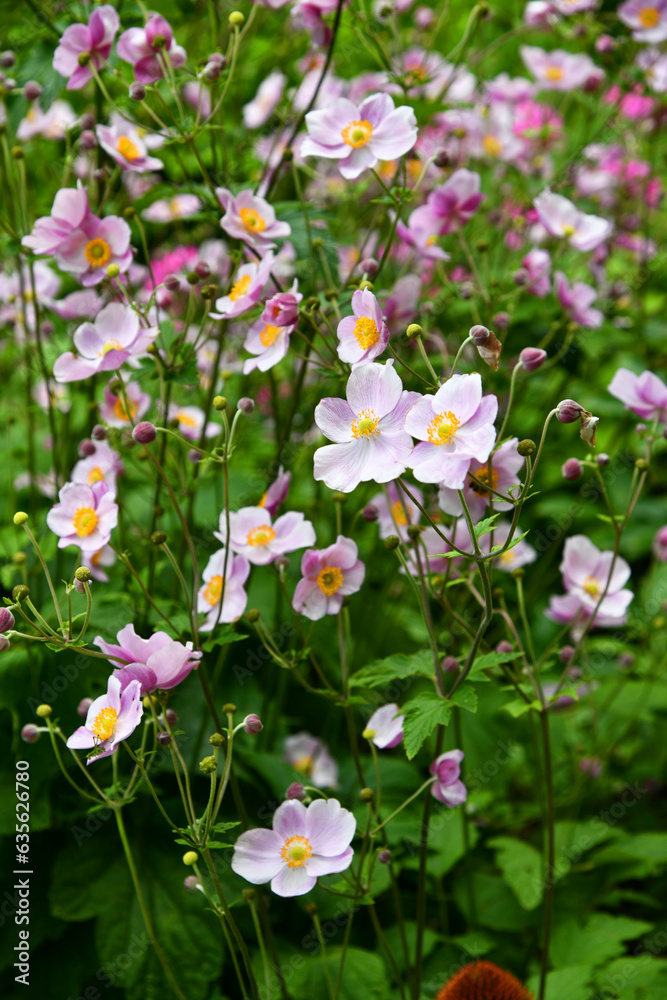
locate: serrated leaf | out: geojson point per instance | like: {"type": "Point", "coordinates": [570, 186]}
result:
{"type": "Point", "coordinates": [484, 526]}
{"type": "Point", "coordinates": [309, 980]}
{"type": "Point", "coordinates": [223, 636]}
{"type": "Point", "coordinates": [519, 707]}
{"type": "Point", "coordinates": [600, 939]}
{"type": "Point", "coordinates": [488, 660]}
{"type": "Point", "coordinates": [465, 697]}
{"type": "Point", "coordinates": [422, 715]}
{"type": "Point", "coordinates": [522, 868]}
{"type": "Point", "coordinates": [399, 665]}
{"type": "Point", "coordinates": [515, 541]}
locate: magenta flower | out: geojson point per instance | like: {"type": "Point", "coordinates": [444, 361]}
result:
{"type": "Point", "coordinates": [422, 231]}
{"type": "Point", "coordinates": [181, 206]}
{"type": "Point", "coordinates": [561, 218]}
{"type": "Point", "coordinates": [103, 466]}
{"type": "Point", "coordinates": [453, 427]}
{"type": "Point", "coordinates": [158, 662]}
{"type": "Point", "coordinates": [385, 727]}
{"type": "Point", "coordinates": [83, 516]}
{"type": "Point", "coordinates": [537, 265]}
{"type": "Point", "coordinates": [305, 843]}
{"type": "Point", "coordinates": [124, 144]}
{"type": "Point", "coordinates": [94, 40]}
{"type": "Point", "coordinates": [90, 248]}
{"type": "Point", "coordinates": [105, 345]}
{"type": "Point", "coordinates": [360, 135]}
{"type": "Point", "coordinates": [276, 493]}
{"type": "Point", "coordinates": [234, 599]}
{"type": "Point", "coordinates": [503, 476]}
{"type": "Point", "coordinates": [364, 336]}
{"type": "Point", "coordinates": [645, 394]}
{"type": "Point", "coordinates": [577, 300]}
{"type": "Point", "coordinates": [371, 442]}
{"type": "Point", "coordinates": [448, 787]}
{"type": "Point", "coordinates": [560, 70]}
{"type": "Point", "coordinates": [328, 575]}
{"type": "Point", "coordinates": [457, 200]}
{"type": "Point", "coordinates": [647, 18]}
{"type": "Point", "coordinates": [251, 219]}
{"type": "Point", "coordinates": [246, 288]}
{"type": "Point", "coordinates": [310, 757]}
{"type": "Point", "coordinates": [111, 719]}
{"type": "Point", "coordinates": [396, 512]}
{"type": "Point", "coordinates": [141, 47]}
{"type": "Point", "coordinates": [253, 534]}
{"type": "Point", "coordinates": [586, 571]}
{"type": "Point", "coordinates": [69, 212]}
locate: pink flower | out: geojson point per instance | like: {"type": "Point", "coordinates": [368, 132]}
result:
{"type": "Point", "coordinates": [283, 308]}
{"type": "Point", "coordinates": [105, 345]}
{"type": "Point", "coordinates": [94, 560]}
{"type": "Point", "coordinates": [90, 248]}
{"type": "Point", "coordinates": [371, 442]}
{"type": "Point", "coordinates": [258, 111]}
{"type": "Point", "coordinates": [310, 756]}
{"type": "Point", "coordinates": [268, 338]}
{"type": "Point", "coordinates": [103, 466]}
{"type": "Point", "coordinates": [251, 219]}
{"type": "Point", "coordinates": [359, 136]}
{"type": "Point", "coordinates": [276, 493]}
{"type": "Point", "coordinates": [69, 212]}
{"type": "Point", "coordinates": [111, 719]}
{"type": "Point", "coordinates": [647, 18]}
{"type": "Point", "coordinates": [328, 575]}
{"type": "Point", "coordinates": [52, 123]}
{"type": "Point", "coordinates": [422, 231]}
{"type": "Point", "coordinates": [518, 555]}
{"type": "Point", "coordinates": [124, 144]}
{"type": "Point", "coordinates": [305, 843]}
{"type": "Point", "coordinates": [234, 599]}
{"type": "Point", "coordinates": [537, 264]}
{"type": "Point", "coordinates": [158, 662]}
{"type": "Point", "coordinates": [396, 512]}
{"type": "Point", "coordinates": [385, 727]}
{"type": "Point", "coordinates": [246, 289]}
{"type": "Point", "coordinates": [561, 218]}
{"type": "Point", "coordinates": [453, 427]}
{"type": "Point", "coordinates": [401, 303]}
{"type": "Point", "coordinates": [94, 39]}
{"type": "Point", "coordinates": [455, 202]}
{"type": "Point", "coordinates": [113, 411]}
{"type": "Point", "coordinates": [448, 787]}
{"type": "Point", "coordinates": [84, 516]}
{"type": "Point", "coordinates": [141, 47]}
{"type": "Point", "coordinates": [559, 70]}
{"type": "Point", "coordinates": [577, 300]}
{"type": "Point", "coordinates": [253, 534]}
{"type": "Point", "coordinates": [363, 336]}
{"type": "Point", "coordinates": [504, 475]}
{"type": "Point", "coordinates": [585, 574]}
{"type": "Point", "coordinates": [181, 206]}
{"type": "Point", "coordinates": [660, 544]}
{"type": "Point", "coordinates": [645, 394]}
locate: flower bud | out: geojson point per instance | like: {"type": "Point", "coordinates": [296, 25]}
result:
{"type": "Point", "coordinates": [171, 282]}
{"type": "Point", "coordinates": [414, 330]}
{"type": "Point", "coordinates": [219, 403]}
{"type": "Point", "coordinates": [568, 411]}
{"type": "Point", "coordinates": [20, 517]}
{"type": "Point", "coordinates": [98, 433]}
{"type": "Point", "coordinates": [572, 469]}
{"type": "Point", "coordinates": [20, 592]}
{"type": "Point", "coordinates": [236, 19]}
{"type": "Point", "coordinates": [30, 733]}
{"type": "Point", "coordinates": [504, 647]}
{"type": "Point", "coordinates": [191, 883]}
{"type": "Point", "coordinates": [190, 858]}
{"type": "Point", "coordinates": [32, 91]}
{"type": "Point", "coordinates": [281, 562]}
{"type": "Point", "coordinates": [217, 57]}
{"type": "Point", "coordinates": [296, 791]}
{"type": "Point", "coordinates": [192, 278]}
{"type": "Point", "coordinates": [19, 558]}
{"type": "Point", "coordinates": [163, 738]}
{"type": "Point", "coordinates": [211, 71]}
{"type": "Point", "coordinates": [532, 358]}
{"type": "Point", "coordinates": [83, 706]}
{"type": "Point", "coordinates": [86, 448]}
{"type": "Point", "coordinates": [366, 794]}
{"type": "Point", "coordinates": [602, 460]}
{"type": "Point", "coordinates": [392, 542]}
{"type": "Point", "coordinates": [171, 717]}
{"type": "Point", "coordinates": [370, 267]}
{"type": "Point", "coordinates": [338, 497]}
{"type": "Point", "coordinates": [4, 644]}
{"type": "Point", "coordinates": [311, 909]}
{"type": "Point", "coordinates": [83, 574]}
{"type": "Point", "coordinates": [209, 765]}
{"type": "Point", "coordinates": [414, 531]}
{"type": "Point", "coordinates": [252, 724]}
{"type": "Point", "coordinates": [202, 270]}
{"type": "Point", "coordinates": [113, 271]}
{"type": "Point", "coordinates": [588, 426]}
{"type": "Point", "coordinates": [479, 334]}
{"type": "Point", "coordinates": [364, 284]}
{"type": "Point", "coordinates": [246, 405]}
{"type": "Point", "coordinates": [521, 277]}
{"type": "Point", "coordinates": [384, 857]}
{"type": "Point", "coordinates": [88, 140]}
{"type": "Point", "coordinates": [137, 91]}
{"type": "Point", "coordinates": [209, 291]}
{"type": "Point", "coordinates": [144, 432]}
{"type": "Point", "coordinates": [83, 58]}
{"type": "Point", "coordinates": [449, 664]}
{"type": "Point", "coordinates": [626, 659]}
{"type": "Point", "coordinates": [159, 537]}
{"type": "Point", "coordinates": [526, 447]}
{"type": "Point", "coordinates": [43, 711]}
{"type": "Point", "coordinates": [252, 615]}
{"type": "Point", "coordinates": [7, 59]}
{"type": "Point", "coordinates": [442, 159]}
{"type": "Point", "coordinates": [370, 513]}
{"type": "Point", "coordinates": [101, 175]}
{"type": "Point", "coordinates": [7, 621]}
{"type": "Point", "coordinates": [249, 895]}
{"type": "Point", "coordinates": [501, 320]}
{"type": "Point", "coordinates": [228, 708]}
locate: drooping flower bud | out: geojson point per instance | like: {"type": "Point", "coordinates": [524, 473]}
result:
{"type": "Point", "coordinates": [532, 358]}
{"type": "Point", "coordinates": [252, 724]}
{"type": "Point", "coordinates": [7, 621]}
{"type": "Point", "coordinates": [86, 448]}
{"type": "Point", "coordinates": [32, 91]}
{"type": "Point", "coordinates": [144, 432]}
{"type": "Point", "coordinates": [191, 883]}
{"type": "Point", "coordinates": [296, 791]}
{"type": "Point", "coordinates": [246, 405]}
{"type": "Point", "coordinates": [30, 733]}
{"type": "Point", "coordinates": [171, 282]}
{"type": "Point", "coordinates": [479, 334]}
{"type": "Point", "coordinates": [572, 469]}
{"type": "Point", "coordinates": [568, 411]}
{"type": "Point", "coordinates": [137, 91]}
{"type": "Point", "coordinates": [370, 513]}
{"type": "Point", "coordinates": [504, 647]}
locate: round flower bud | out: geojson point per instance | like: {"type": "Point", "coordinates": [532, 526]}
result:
{"type": "Point", "coordinates": [43, 711]}
{"type": "Point", "coordinates": [20, 517]}
{"type": "Point", "coordinates": [190, 858]}
{"type": "Point", "coordinates": [288, 155]}
{"type": "Point", "coordinates": [566, 654]}
{"type": "Point", "coordinates": [192, 278]}
{"type": "Point", "coordinates": [217, 57]}
{"type": "Point", "coordinates": [208, 765]}
{"type": "Point", "coordinates": [87, 140]}
{"type": "Point", "coordinates": [366, 794]}
{"type": "Point", "coordinates": [159, 537]}
{"type": "Point", "coordinates": [364, 284]}
{"type": "Point", "coordinates": [32, 90]}
{"type": "Point", "coordinates": [149, 700]}
{"type": "Point", "coordinates": [87, 120]}
{"type": "Point", "coordinates": [449, 664]}
{"type": "Point", "coordinates": [568, 411]}
{"type": "Point", "coordinates": [502, 320]}
{"type": "Point", "coordinates": [83, 706]}
{"type": "Point", "coordinates": [339, 497]}
{"type": "Point", "coordinates": [98, 433]}
{"type": "Point", "coordinates": [236, 19]}
{"type": "Point", "coordinates": [202, 269]}
{"type": "Point", "coordinates": [4, 644]}
{"type": "Point", "coordinates": [641, 464]}
{"type": "Point", "coordinates": [171, 282]}
{"type": "Point", "coordinates": [311, 909]}
{"type": "Point", "coordinates": [163, 738]}
{"type": "Point", "coordinates": [532, 358]}
{"type": "Point", "coordinates": [83, 574]}
{"type": "Point", "coordinates": [252, 724]}
{"type": "Point", "coordinates": [246, 405]}
{"type": "Point", "coordinates": [30, 733]}
{"type": "Point", "coordinates": [211, 71]}
{"type": "Point", "coordinates": [392, 542]}
{"type": "Point", "coordinates": [414, 330]}
{"type": "Point", "coordinates": [370, 267]}
{"type": "Point", "coordinates": [572, 469]}
{"type": "Point", "coordinates": [7, 621]}
{"type": "Point", "coordinates": [194, 456]}
{"type": "Point", "coordinates": [602, 459]}
{"type": "Point", "coordinates": [228, 708]}
{"type": "Point", "coordinates": [7, 59]}
{"type": "Point", "coordinates": [605, 44]}
{"type": "Point", "coordinates": [252, 615]}
{"type": "Point", "coordinates": [370, 513]}
{"type": "Point", "coordinates": [442, 159]}
{"type": "Point", "coordinates": [83, 58]}
{"type": "Point", "coordinates": [504, 647]}
{"type": "Point", "coordinates": [384, 857]}
{"type": "Point", "coordinates": [86, 448]}
{"type": "Point", "coordinates": [17, 152]}
{"type": "Point", "coordinates": [526, 447]}
{"type": "Point", "coordinates": [171, 717]}
{"type": "Point", "coordinates": [281, 562]}
{"type": "Point", "coordinates": [249, 895]}
{"type": "Point", "coordinates": [113, 271]}
{"type": "Point", "coordinates": [521, 277]}
{"type": "Point", "coordinates": [482, 246]}
{"type": "Point", "coordinates": [20, 592]}
{"type": "Point", "coordinates": [144, 432]}
{"type": "Point", "coordinates": [101, 175]}
{"type": "Point", "coordinates": [208, 291]}
{"type": "Point", "coordinates": [479, 334]}
{"type": "Point", "coordinates": [216, 739]}
{"type": "Point", "coordinates": [219, 403]}
{"type": "Point", "coordinates": [368, 734]}
{"type": "Point", "coordinates": [137, 91]}
{"type": "Point", "coordinates": [191, 883]}
{"type": "Point", "coordinates": [296, 791]}
{"type": "Point", "coordinates": [19, 558]}
{"type": "Point", "coordinates": [414, 531]}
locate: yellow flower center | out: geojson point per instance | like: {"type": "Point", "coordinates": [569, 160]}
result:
{"type": "Point", "coordinates": [296, 851]}
{"type": "Point", "coordinates": [84, 521]}
{"type": "Point", "coordinates": [121, 412]}
{"type": "Point", "coordinates": [553, 73]}
{"type": "Point", "coordinates": [366, 332]}
{"type": "Point", "coordinates": [97, 253]}
{"type": "Point", "coordinates": [303, 765]}
{"type": "Point", "coordinates": [240, 287]}
{"type": "Point", "coordinates": [213, 590]}
{"type": "Point", "coordinates": [186, 419]}
{"type": "Point", "coordinates": [492, 146]}
{"type": "Point", "coordinates": [365, 425]}
{"type": "Point", "coordinates": [649, 17]}
{"type": "Point", "coordinates": [127, 149]}
{"type": "Point", "coordinates": [483, 475]}
{"type": "Point", "coordinates": [252, 220]}
{"type": "Point", "coordinates": [357, 134]}
{"type": "Point", "coordinates": [443, 428]}
{"type": "Point", "coordinates": [105, 723]}
{"type": "Point", "coordinates": [330, 580]}
{"type": "Point", "coordinates": [569, 231]}
{"type": "Point", "coordinates": [592, 586]}
{"type": "Point", "coordinates": [399, 513]}
{"type": "Point", "coordinates": [268, 334]}
{"type": "Point", "coordinates": [111, 345]}
{"type": "Point", "coordinates": [261, 535]}
{"type": "Point", "coordinates": [95, 476]}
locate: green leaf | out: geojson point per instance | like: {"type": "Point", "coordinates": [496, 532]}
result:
{"type": "Point", "coordinates": [602, 937]}
{"type": "Point", "coordinates": [515, 541]}
{"type": "Point", "coordinates": [166, 333]}
{"type": "Point", "coordinates": [465, 697]}
{"type": "Point", "coordinates": [519, 707]}
{"type": "Point", "coordinates": [422, 715]}
{"type": "Point", "coordinates": [484, 526]}
{"type": "Point", "coordinates": [571, 983]}
{"type": "Point", "coordinates": [399, 665]}
{"type": "Point", "coordinates": [522, 868]}
{"type": "Point", "coordinates": [309, 979]}
{"type": "Point", "coordinates": [224, 634]}
{"type": "Point", "coordinates": [488, 660]}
